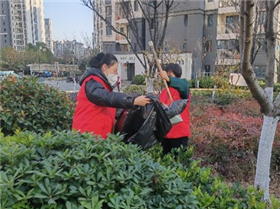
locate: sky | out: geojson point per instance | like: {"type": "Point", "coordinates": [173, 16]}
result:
{"type": "Point", "coordinates": [70, 19]}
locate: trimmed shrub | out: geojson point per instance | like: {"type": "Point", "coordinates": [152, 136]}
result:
{"type": "Point", "coordinates": [206, 82]}
{"type": "Point", "coordinates": [226, 137]}
{"type": "Point", "coordinates": [192, 82]}
{"type": "Point", "coordinates": [139, 80]}
{"type": "Point", "coordinates": [135, 89]}
{"type": "Point", "coordinates": [73, 170]}
{"type": "Point", "coordinates": [29, 105]}
{"type": "Point", "coordinates": [209, 189]}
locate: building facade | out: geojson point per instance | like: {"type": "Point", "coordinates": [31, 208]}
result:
{"type": "Point", "coordinates": [5, 26]}
{"type": "Point", "coordinates": [70, 49]}
{"type": "Point", "coordinates": [206, 29]}
{"type": "Point", "coordinates": [49, 34]}
{"type": "Point", "coordinates": [22, 23]}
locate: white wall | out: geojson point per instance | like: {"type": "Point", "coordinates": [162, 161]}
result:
{"type": "Point", "coordinates": [185, 62]}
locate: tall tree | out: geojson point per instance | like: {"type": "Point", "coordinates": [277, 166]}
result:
{"type": "Point", "coordinates": [154, 12]}
{"type": "Point", "coordinates": [269, 107]}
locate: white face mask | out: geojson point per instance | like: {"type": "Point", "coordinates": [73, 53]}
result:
{"type": "Point", "coordinates": [112, 78]}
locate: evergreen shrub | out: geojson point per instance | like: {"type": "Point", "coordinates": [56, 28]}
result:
{"type": "Point", "coordinates": [210, 190]}
{"type": "Point", "coordinates": [138, 89]}
{"type": "Point", "coordinates": [29, 105]}
{"type": "Point", "coordinates": [139, 80]}
{"type": "Point", "coordinates": [73, 170]}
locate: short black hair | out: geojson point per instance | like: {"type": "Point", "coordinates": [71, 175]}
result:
{"type": "Point", "coordinates": [101, 58]}
{"type": "Point", "coordinates": [174, 68]}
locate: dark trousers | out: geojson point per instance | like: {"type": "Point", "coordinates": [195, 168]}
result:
{"type": "Point", "coordinates": [169, 144]}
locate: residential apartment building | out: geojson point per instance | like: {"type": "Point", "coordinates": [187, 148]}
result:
{"type": "Point", "coordinates": [49, 34]}
{"type": "Point", "coordinates": [5, 26]}
{"type": "Point", "coordinates": [206, 29]}
{"type": "Point", "coordinates": [72, 49]}
{"type": "Point", "coordinates": [23, 23]}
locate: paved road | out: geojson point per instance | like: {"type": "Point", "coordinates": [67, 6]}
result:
{"type": "Point", "coordinates": [64, 86]}
{"type": "Point", "coordinates": [60, 84]}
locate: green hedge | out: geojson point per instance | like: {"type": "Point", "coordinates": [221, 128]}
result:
{"type": "Point", "coordinates": [73, 170]}
{"type": "Point", "coordinates": [135, 89]}
{"type": "Point", "coordinates": [29, 105]}
{"type": "Point", "coordinates": [139, 80]}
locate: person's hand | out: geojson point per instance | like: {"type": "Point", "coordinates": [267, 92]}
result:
{"type": "Point", "coordinates": [142, 100]}
{"type": "Point", "coordinates": [163, 75]}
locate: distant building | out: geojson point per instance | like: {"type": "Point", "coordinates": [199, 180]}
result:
{"type": "Point", "coordinates": [22, 22]}
{"type": "Point", "coordinates": [69, 49]}
{"type": "Point", "coordinates": [49, 34]}
{"type": "Point", "coordinates": [5, 29]}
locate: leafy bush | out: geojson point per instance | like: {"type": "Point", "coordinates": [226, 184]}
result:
{"type": "Point", "coordinates": [139, 80]}
{"type": "Point", "coordinates": [226, 137]}
{"type": "Point", "coordinates": [29, 105]}
{"type": "Point", "coordinates": [73, 170]}
{"type": "Point", "coordinates": [209, 189]}
{"type": "Point", "coordinates": [135, 89]}
{"type": "Point", "coordinates": [206, 82]}
{"type": "Point", "coordinates": [192, 82]}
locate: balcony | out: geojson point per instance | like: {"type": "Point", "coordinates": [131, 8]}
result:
{"type": "Point", "coordinates": [227, 57]}
{"type": "Point", "coordinates": [121, 39]}
{"type": "Point", "coordinates": [228, 28]}
{"type": "Point", "coordinates": [121, 19]}
{"type": "Point", "coordinates": [227, 6]}
{"type": "Point", "coordinates": [227, 31]}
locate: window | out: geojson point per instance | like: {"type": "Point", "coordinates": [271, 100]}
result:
{"type": "Point", "coordinates": [210, 20]}
{"type": "Point", "coordinates": [260, 44]}
{"type": "Point", "coordinates": [260, 71]}
{"type": "Point", "coordinates": [135, 6]}
{"type": "Point", "coordinates": [232, 24]}
{"type": "Point", "coordinates": [108, 31]}
{"type": "Point", "coordinates": [262, 17]}
{"type": "Point", "coordinates": [210, 0]}
{"type": "Point", "coordinates": [208, 46]}
{"type": "Point", "coordinates": [228, 44]}
{"type": "Point", "coordinates": [185, 45]}
{"type": "Point", "coordinates": [186, 20]}
{"type": "Point", "coordinates": [108, 11]}
{"type": "Point", "coordinates": [135, 46]}
{"type": "Point", "coordinates": [207, 69]}
{"type": "Point", "coordinates": [121, 30]}
{"type": "Point", "coordinates": [118, 47]}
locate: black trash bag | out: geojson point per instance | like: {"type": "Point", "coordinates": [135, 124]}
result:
{"type": "Point", "coordinates": [144, 126]}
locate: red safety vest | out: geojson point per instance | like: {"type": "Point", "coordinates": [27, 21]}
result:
{"type": "Point", "coordinates": [89, 117]}
{"type": "Point", "coordinates": [181, 129]}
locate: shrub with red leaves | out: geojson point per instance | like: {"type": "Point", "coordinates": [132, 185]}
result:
{"type": "Point", "coordinates": [226, 137]}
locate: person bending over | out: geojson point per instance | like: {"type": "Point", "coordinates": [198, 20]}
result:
{"type": "Point", "coordinates": [96, 102]}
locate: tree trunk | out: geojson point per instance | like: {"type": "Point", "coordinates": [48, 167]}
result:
{"type": "Point", "coordinates": [264, 154]}
{"type": "Point", "coordinates": [150, 84]}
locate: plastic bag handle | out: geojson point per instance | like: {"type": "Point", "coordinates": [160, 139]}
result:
{"type": "Point", "coordinates": [159, 68]}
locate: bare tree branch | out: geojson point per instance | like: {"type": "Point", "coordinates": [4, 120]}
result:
{"type": "Point", "coordinates": [276, 4]}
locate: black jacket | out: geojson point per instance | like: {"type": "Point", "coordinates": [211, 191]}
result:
{"type": "Point", "coordinates": [97, 94]}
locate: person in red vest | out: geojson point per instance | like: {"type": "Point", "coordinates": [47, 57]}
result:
{"type": "Point", "coordinates": [179, 89]}
{"type": "Point", "coordinates": [96, 102]}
